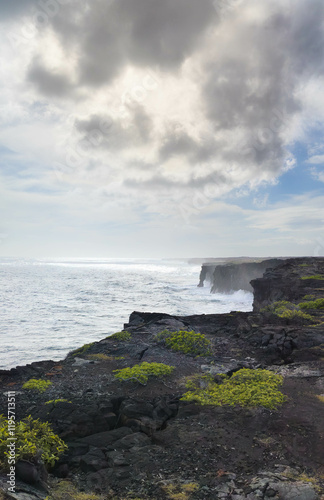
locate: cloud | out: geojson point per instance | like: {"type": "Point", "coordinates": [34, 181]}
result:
{"type": "Point", "coordinates": [111, 134]}
{"type": "Point", "coordinates": [14, 9]}
{"type": "Point", "coordinates": [49, 83]}
{"type": "Point", "coordinates": [163, 108]}
{"type": "Point", "coordinates": [144, 33]}
{"type": "Point", "coordinates": [241, 71]}
{"type": "Point", "coordinates": [301, 214]}
{"type": "Point", "coordinates": [316, 160]}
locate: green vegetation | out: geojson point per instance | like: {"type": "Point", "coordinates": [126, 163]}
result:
{"type": "Point", "coordinates": [250, 388]}
{"type": "Point", "coordinates": [191, 342]}
{"type": "Point", "coordinates": [143, 371]}
{"type": "Point", "coordinates": [55, 401]}
{"type": "Point", "coordinates": [309, 297]}
{"type": "Point", "coordinates": [32, 437]}
{"type": "Point", "coordinates": [313, 304]}
{"type": "Point", "coordinates": [121, 336]}
{"type": "Point", "coordinates": [303, 265]}
{"type": "Point", "coordinates": [278, 306]}
{"type": "Point", "coordinates": [285, 309]}
{"type": "Point", "coordinates": [82, 350]}
{"type": "Point", "coordinates": [100, 357]}
{"type": "Point", "coordinates": [180, 491]}
{"type": "Point", "coordinates": [314, 277]}
{"type": "Point", "coordinates": [37, 385]}
{"type": "Point", "coordinates": [65, 490]}
{"type": "Point", "coordinates": [292, 314]}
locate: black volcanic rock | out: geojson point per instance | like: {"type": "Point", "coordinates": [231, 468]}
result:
{"type": "Point", "coordinates": [287, 282]}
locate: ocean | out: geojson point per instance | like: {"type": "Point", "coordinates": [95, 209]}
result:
{"type": "Point", "coordinates": [49, 307]}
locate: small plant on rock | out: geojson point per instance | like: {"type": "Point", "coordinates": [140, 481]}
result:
{"type": "Point", "coordinates": [180, 491]}
{"type": "Point", "coordinates": [37, 385]}
{"type": "Point", "coordinates": [100, 357]}
{"type": "Point", "coordinates": [191, 342]}
{"type": "Point", "coordinates": [141, 372]}
{"type": "Point", "coordinates": [121, 336]}
{"type": "Point", "coordinates": [55, 401]}
{"type": "Point", "coordinates": [285, 309]}
{"type": "Point", "coordinates": [313, 304]}
{"type": "Point", "coordinates": [314, 277]}
{"type": "Point", "coordinates": [250, 388]}
{"type": "Point", "coordinates": [81, 350]}
{"type": "Point", "coordinates": [32, 437]}
{"type": "Point", "coordinates": [65, 490]}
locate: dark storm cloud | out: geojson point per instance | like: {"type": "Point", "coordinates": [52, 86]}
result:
{"type": "Point", "coordinates": [51, 84]}
{"type": "Point", "coordinates": [113, 135]}
{"type": "Point", "coordinates": [111, 34]}
{"type": "Point", "coordinates": [176, 142]}
{"type": "Point", "coordinates": [306, 42]}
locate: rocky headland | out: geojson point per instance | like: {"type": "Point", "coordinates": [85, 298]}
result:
{"type": "Point", "coordinates": [230, 276]}
{"type": "Point", "coordinates": [133, 439]}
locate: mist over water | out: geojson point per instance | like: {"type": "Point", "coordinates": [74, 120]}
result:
{"type": "Point", "coordinates": [49, 307]}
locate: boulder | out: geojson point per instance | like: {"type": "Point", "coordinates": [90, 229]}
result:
{"type": "Point", "coordinates": [104, 439]}
{"type": "Point", "coordinates": [94, 460]}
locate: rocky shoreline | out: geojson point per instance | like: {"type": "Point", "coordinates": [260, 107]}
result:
{"type": "Point", "coordinates": [129, 440]}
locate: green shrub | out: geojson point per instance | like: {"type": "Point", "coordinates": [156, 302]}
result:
{"type": "Point", "coordinates": [249, 388]}
{"type": "Point", "coordinates": [314, 277]}
{"type": "Point", "coordinates": [285, 309]}
{"type": "Point", "coordinates": [37, 385]}
{"type": "Point", "coordinates": [294, 314]}
{"type": "Point", "coordinates": [309, 297]}
{"type": "Point", "coordinates": [121, 336]}
{"type": "Point", "coordinates": [32, 436]}
{"type": "Point", "coordinates": [191, 342]}
{"type": "Point", "coordinates": [313, 304]}
{"type": "Point", "coordinates": [81, 350]}
{"type": "Point", "coordinates": [143, 371]}
{"type": "Point", "coordinates": [276, 306]}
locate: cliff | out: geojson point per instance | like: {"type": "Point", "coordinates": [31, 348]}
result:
{"type": "Point", "coordinates": [129, 439]}
{"type": "Point", "coordinates": [291, 280]}
{"type": "Point", "coordinates": [235, 276]}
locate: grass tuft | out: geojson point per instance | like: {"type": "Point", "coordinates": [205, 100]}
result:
{"type": "Point", "coordinates": [121, 336]}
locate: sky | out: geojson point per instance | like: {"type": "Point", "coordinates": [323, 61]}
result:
{"type": "Point", "coordinates": [149, 128]}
